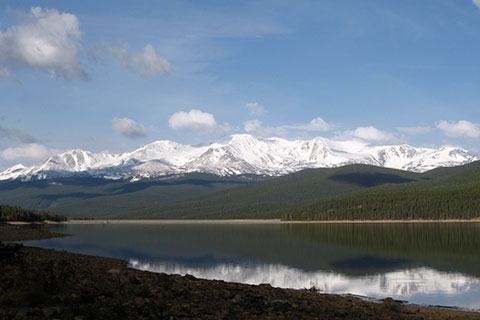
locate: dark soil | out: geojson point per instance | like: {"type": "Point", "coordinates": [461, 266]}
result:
{"type": "Point", "coordinates": [47, 284]}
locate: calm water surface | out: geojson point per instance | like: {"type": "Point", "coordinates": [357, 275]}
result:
{"type": "Point", "coordinates": [433, 264]}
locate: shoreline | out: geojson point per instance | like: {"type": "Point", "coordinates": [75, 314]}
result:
{"type": "Point", "coordinates": [12, 233]}
{"type": "Point", "coordinates": [255, 221]}
{"type": "Point", "coordinates": [45, 283]}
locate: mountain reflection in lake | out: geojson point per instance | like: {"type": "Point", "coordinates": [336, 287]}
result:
{"type": "Point", "coordinates": [428, 263]}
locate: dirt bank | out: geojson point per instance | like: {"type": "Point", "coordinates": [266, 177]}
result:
{"type": "Point", "coordinates": [43, 284]}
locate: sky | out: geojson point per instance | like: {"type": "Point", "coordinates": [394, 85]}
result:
{"type": "Point", "coordinates": [116, 75]}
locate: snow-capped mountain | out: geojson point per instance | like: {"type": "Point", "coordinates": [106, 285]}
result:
{"type": "Point", "coordinates": [238, 154]}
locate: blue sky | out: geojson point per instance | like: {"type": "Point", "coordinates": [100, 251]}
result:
{"type": "Point", "coordinates": [115, 75]}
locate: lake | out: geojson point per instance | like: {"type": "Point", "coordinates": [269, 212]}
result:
{"type": "Point", "coordinates": [423, 263]}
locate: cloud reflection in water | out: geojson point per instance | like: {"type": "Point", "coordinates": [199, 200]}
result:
{"type": "Point", "coordinates": [414, 284]}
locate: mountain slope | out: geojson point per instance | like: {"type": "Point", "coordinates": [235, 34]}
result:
{"type": "Point", "coordinates": [274, 197]}
{"type": "Point", "coordinates": [196, 195]}
{"type": "Point", "coordinates": [453, 194]}
{"type": "Point", "coordinates": [208, 196]}
{"type": "Point", "coordinates": [93, 197]}
{"type": "Point", "coordinates": [237, 155]}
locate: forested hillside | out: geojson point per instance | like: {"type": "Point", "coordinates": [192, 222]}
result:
{"type": "Point", "coordinates": [272, 198]}
{"type": "Point", "coordinates": [88, 197]}
{"type": "Point", "coordinates": [454, 194]}
{"type": "Point", "coordinates": [349, 192]}
{"type": "Point", "coordinates": [9, 213]}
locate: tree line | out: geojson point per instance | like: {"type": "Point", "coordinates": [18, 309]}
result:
{"type": "Point", "coordinates": [457, 203]}
{"type": "Point", "coordinates": [11, 213]}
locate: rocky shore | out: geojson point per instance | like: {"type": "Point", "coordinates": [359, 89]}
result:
{"type": "Point", "coordinates": [47, 284]}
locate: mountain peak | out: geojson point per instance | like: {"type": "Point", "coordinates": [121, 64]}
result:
{"type": "Point", "coordinates": [239, 154]}
{"type": "Point", "coordinates": [12, 172]}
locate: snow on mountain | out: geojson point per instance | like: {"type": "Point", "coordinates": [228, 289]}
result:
{"type": "Point", "coordinates": [13, 172]}
{"type": "Point", "coordinates": [238, 154]}
{"type": "Point", "coordinates": [64, 164]}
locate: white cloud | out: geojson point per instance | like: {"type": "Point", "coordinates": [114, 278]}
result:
{"type": "Point", "coordinates": [317, 124]}
{"type": "Point", "coordinates": [255, 109]}
{"type": "Point", "coordinates": [459, 129]}
{"type": "Point", "coordinates": [252, 125]}
{"type": "Point", "coordinates": [225, 127]}
{"type": "Point", "coordinates": [45, 40]}
{"type": "Point", "coordinates": [476, 2]}
{"type": "Point", "coordinates": [128, 128]}
{"type": "Point", "coordinates": [122, 53]}
{"type": "Point", "coordinates": [5, 74]}
{"type": "Point", "coordinates": [371, 134]}
{"type": "Point", "coordinates": [255, 127]}
{"type": "Point", "coordinates": [149, 63]}
{"type": "Point", "coordinates": [28, 152]}
{"type": "Point", "coordinates": [413, 131]}
{"type": "Point", "coordinates": [194, 119]}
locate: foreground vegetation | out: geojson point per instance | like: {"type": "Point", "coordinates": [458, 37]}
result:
{"type": "Point", "coordinates": [9, 213]}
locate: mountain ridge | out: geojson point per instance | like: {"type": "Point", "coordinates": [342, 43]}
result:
{"type": "Point", "coordinates": [236, 155]}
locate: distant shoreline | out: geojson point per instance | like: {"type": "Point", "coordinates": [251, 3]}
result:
{"type": "Point", "coordinates": [259, 221]}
